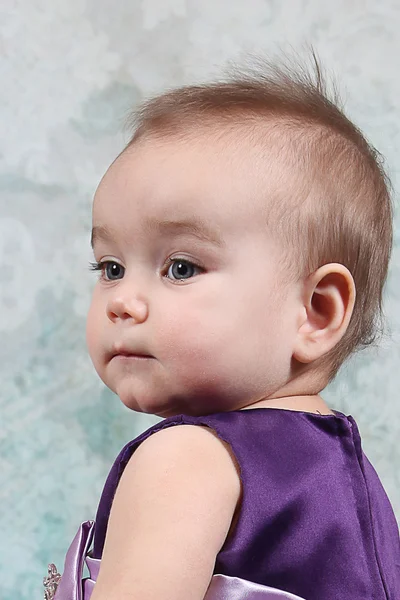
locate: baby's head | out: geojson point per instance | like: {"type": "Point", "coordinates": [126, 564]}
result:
{"type": "Point", "coordinates": [243, 237]}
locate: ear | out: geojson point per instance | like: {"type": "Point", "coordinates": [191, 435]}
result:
{"type": "Point", "coordinates": [328, 301]}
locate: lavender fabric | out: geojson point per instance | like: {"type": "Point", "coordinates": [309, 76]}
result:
{"type": "Point", "coordinates": [234, 588]}
{"type": "Point", "coordinates": [71, 586]}
{"type": "Point", "coordinates": [314, 520]}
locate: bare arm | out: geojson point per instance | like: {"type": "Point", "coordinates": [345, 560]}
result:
{"type": "Point", "coordinates": [170, 516]}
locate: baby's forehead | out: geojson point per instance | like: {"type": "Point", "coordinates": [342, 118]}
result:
{"type": "Point", "coordinates": [218, 187]}
{"type": "Point", "coordinates": [205, 163]}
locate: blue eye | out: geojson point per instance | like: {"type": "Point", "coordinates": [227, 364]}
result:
{"type": "Point", "coordinates": [110, 270]}
{"type": "Point", "coordinates": [113, 270]}
{"type": "Point", "coordinates": [180, 269]}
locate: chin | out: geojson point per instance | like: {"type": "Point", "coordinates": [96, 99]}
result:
{"type": "Point", "coordinates": [140, 397]}
{"type": "Point", "coordinates": [159, 407]}
{"type": "Point", "coordinates": [143, 403]}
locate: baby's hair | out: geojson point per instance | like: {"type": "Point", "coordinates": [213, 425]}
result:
{"type": "Point", "coordinates": [342, 211]}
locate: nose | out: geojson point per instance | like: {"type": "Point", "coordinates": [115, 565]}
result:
{"type": "Point", "coordinates": [126, 306]}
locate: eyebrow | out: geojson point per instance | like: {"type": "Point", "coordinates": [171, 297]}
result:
{"type": "Point", "coordinates": [100, 232]}
{"type": "Point", "coordinates": [195, 227]}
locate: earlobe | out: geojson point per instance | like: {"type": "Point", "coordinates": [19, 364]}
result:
{"type": "Point", "coordinates": [329, 296]}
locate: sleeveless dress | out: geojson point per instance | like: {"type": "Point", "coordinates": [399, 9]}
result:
{"type": "Point", "coordinates": [314, 519]}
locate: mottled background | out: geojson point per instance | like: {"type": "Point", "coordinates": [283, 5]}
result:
{"type": "Point", "coordinates": [69, 71]}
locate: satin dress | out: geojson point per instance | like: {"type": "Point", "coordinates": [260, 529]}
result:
{"type": "Point", "coordinates": [314, 523]}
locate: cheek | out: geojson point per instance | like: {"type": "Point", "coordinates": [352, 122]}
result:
{"type": "Point", "coordinates": [92, 330]}
{"type": "Point", "coordinates": [182, 335]}
{"type": "Point", "coordinates": [184, 331]}
{"type": "Point", "coordinates": [197, 333]}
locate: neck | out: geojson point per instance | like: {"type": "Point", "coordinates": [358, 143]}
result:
{"type": "Point", "coordinates": [311, 403]}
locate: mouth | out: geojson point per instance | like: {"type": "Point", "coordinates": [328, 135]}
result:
{"type": "Point", "coordinates": [128, 355]}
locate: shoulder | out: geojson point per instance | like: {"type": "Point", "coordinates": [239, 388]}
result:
{"type": "Point", "coordinates": [191, 451]}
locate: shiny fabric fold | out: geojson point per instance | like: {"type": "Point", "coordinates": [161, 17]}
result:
{"type": "Point", "coordinates": [71, 584]}
{"type": "Point", "coordinates": [223, 587]}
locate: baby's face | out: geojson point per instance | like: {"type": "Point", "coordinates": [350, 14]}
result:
{"type": "Point", "coordinates": [191, 279]}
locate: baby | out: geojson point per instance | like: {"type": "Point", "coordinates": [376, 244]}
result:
{"type": "Point", "coordinates": [243, 239]}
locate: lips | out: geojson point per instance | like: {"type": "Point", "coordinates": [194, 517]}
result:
{"type": "Point", "coordinates": [128, 353]}
{"type": "Point", "coordinates": [132, 354]}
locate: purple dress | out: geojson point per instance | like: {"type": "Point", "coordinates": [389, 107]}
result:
{"type": "Point", "coordinates": [314, 520]}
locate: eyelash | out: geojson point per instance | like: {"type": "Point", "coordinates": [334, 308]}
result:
{"type": "Point", "coordinates": [101, 265]}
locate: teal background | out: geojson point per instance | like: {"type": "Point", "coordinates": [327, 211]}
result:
{"type": "Point", "coordinates": [69, 71]}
